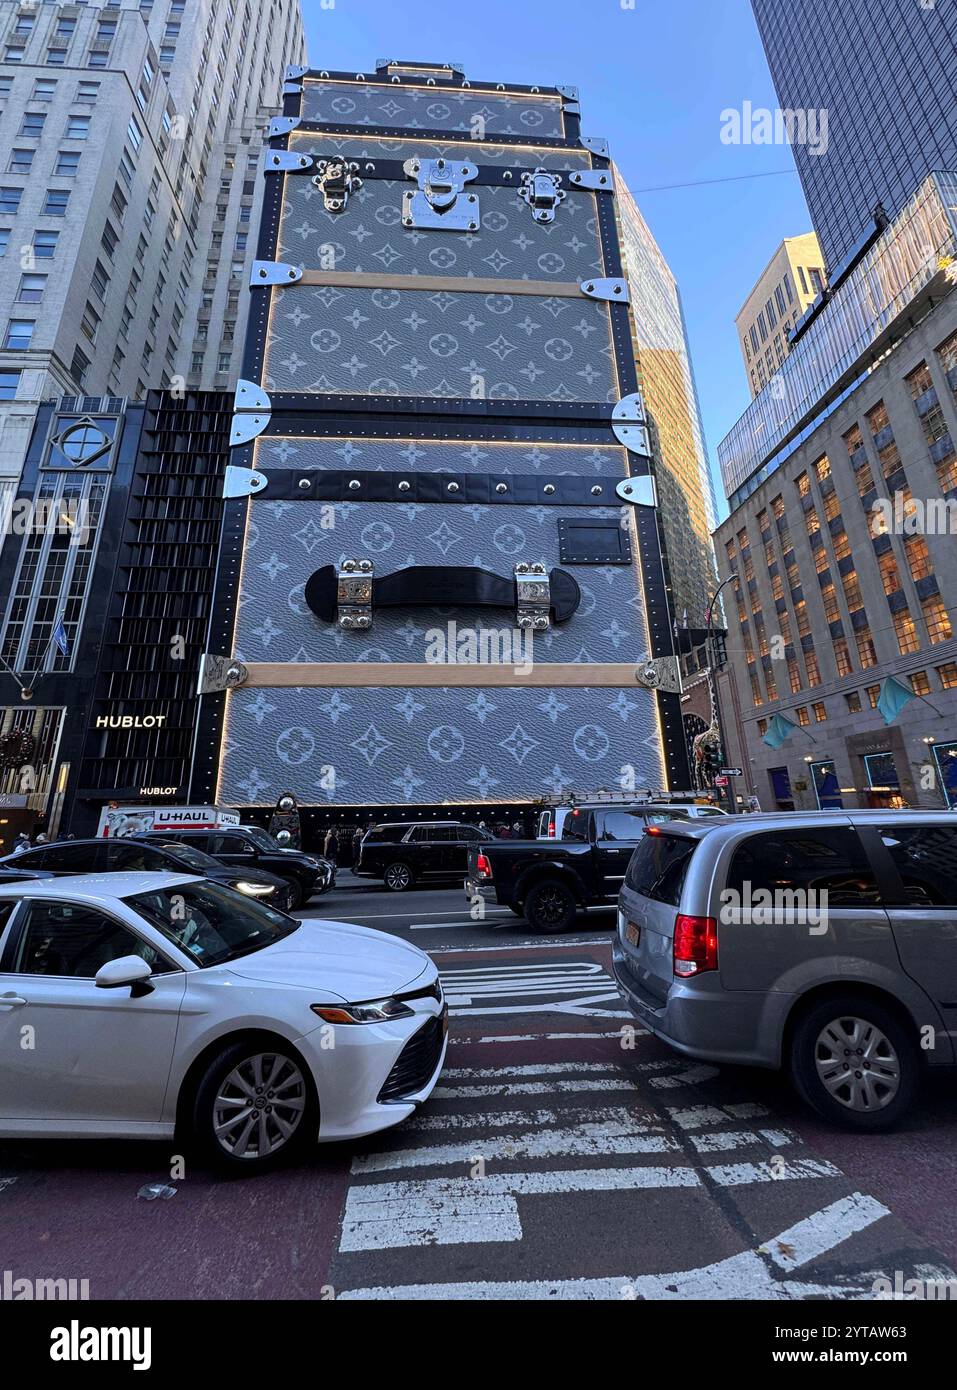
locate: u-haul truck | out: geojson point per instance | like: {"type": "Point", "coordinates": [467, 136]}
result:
{"type": "Point", "coordinates": [117, 821]}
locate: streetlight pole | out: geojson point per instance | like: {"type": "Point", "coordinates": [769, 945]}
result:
{"type": "Point", "coordinates": [713, 681]}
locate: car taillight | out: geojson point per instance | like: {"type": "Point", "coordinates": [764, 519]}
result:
{"type": "Point", "coordinates": [695, 945]}
{"type": "Point", "coordinates": [551, 830]}
{"type": "Point", "coordinates": [482, 867]}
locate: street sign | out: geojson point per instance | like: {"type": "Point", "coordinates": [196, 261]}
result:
{"type": "Point", "coordinates": [730, 772]}
{"type": "Point", "coordinates": [721, 781]}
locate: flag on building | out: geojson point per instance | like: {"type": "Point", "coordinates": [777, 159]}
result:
{"type": "Point", "coordinates": [893, 697]}
{"type": "Point", "coordinates": [60, 637]}
{"type": "Point", "coordinates": [779, 730]}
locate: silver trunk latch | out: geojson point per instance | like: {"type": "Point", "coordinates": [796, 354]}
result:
{"type": "Point", "coordinates": [441, 203]}
{"type": "Point", "coordinates": [336, 181]}
{"type": "Point", "coordinates": [533, 598]}
{"type": "Point", "coordinates": [541, 191]}
{"type": "Point", "coordinates": [354, 593]}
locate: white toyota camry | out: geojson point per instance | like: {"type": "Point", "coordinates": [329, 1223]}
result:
{"type": "Point", "coordinates": [141, 1005]}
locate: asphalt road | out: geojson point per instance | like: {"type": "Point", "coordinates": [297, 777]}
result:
{"type": "Point", "coordinates": [564, 1154]}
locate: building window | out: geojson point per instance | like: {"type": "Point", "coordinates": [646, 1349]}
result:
{"type": "Point", "coordinates": [21, 161]}
{"type": "Point", "coordinates": [842, 657]}
{"type": "Point", "coordinates": [33, 123]}
{"type": "Point", "coordinates": [77, 127]}
{"type": "Point", "coordinates": [31, 289]}
{"type": "Point", "coordinates": [19, 335]}
{"type": "Point", "coordinates": [948, 675]}
{"type": "Point", "coordinates": [873, 693]}
{"type": "Point", "coordinates": [853, 700]}
{"type": "Point", "coordinates": [803, 718]}
{"type": "Point", "coordinates": [820, 712]}
{"type": "Point", "coordinates": [866, 653]}
{"type": "Point", "coordinates": [86, 93]}
{"type": "Point", "coordinates": [889, 571]}
{"type": "Point", "coordinates": [56, 57]}
{"type": "Point", "coordinates": [813, 671]}
{"type": "Point", "coordinates": [906, 631]}
{"type": "Point", "coordinates": [9, 383]}
{"type": "Point", "coordinates": [55, 202]}
{"type": "Point", "coordinates": [67, 163]}
{"type": "Point", "coordinates": [939, 627]}
{"type": "Point", "coordinates": [920, 684]}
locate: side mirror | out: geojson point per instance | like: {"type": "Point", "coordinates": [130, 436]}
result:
{"type": "Point", "coordinates": [130, 971]}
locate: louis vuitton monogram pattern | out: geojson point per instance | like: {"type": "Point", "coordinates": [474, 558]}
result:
{"type": "Point", "coordinates": [369, 235]}
{"type": "Point", "coordinates": [388, 342]}
{"type": "Point", "coordinates": [432, 108]}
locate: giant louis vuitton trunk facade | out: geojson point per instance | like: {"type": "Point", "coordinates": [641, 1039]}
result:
{"type": "Point", "coordinates": [441, 575]}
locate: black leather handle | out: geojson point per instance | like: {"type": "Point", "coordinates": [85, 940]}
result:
{"type": "Point", "coordinates": [436, 586]}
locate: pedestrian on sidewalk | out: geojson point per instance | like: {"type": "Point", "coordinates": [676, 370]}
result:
{"type": "Point", "coordinates": [331, 847]}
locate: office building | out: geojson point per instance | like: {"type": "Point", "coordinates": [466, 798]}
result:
{"type": "Point", "coordinates": [789, 284]}
{"type": "Point", "coordinates": [883, 71]}
{"type": "Point", "coordinates": [131, 137]}
{"type": "Point", "coordinates": [843, 490]}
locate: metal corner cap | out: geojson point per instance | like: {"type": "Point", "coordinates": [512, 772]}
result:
{"type": "Point", "coordinates": [569, 93]}
{"type": "Point", "coordinates": [249, 396]}
{"type": "Point", "coordinates": [614, 289]}
{"type": "Point", "coordinates": [242, 482]}
{"type": "Point", "coordinates": [281, 125]}
{"type": "Point", "coordinates": [630, 409]}
{"type": "Point", "coordinates": [219, 673]}
{"type": "Point", "coordinates": [247, 427]}
{"type": "Point", "coordinates": [638, 492]}
{"type": "Point", "coordinates": [273, 273]}
{"type": "Point", "coordinates": [597, 144]}
{"type": "Point", "coordinates": [296, 70]}
{"type": "Point", "coordinates": [597, 180]}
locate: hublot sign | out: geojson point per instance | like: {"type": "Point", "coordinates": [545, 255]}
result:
{"type": "Point", "coordinates": [131, 721]}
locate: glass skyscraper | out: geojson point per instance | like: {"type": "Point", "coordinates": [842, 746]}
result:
{"type": "Point", "coordinates": [884, 70]}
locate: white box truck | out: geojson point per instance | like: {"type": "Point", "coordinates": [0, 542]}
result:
{"type": "Point", "coordinates": [117, 821]}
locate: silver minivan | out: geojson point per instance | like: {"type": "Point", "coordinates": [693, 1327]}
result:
{"type": "Point", "coordinates": [822, 943]}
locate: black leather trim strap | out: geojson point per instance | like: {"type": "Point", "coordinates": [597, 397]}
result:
{"type": "Point", "coordinates": [525, 489]}
{"type": "Point", "coordinates": [489, 175]}
{"type": "Point", "coordinates": [438, 586]}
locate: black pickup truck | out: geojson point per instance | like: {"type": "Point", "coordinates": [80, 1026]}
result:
{"type": "Point", "coordinates": [547, 881]}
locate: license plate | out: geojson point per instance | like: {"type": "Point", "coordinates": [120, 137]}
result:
{"type": "Point", "coordinates": [632, 933]}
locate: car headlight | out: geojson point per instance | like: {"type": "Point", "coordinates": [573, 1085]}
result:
{"type": "Point", "coordinates": [255, 890]}
{"type": "Point", "coordinates": [376, 1011]}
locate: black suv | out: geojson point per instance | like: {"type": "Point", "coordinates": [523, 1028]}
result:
{"type": "Point", "coordinates": [249, 846]}
{"type": "Point", "coordinates": [160, 856]}
{"type": "Point", "coordinates": [428, 852]}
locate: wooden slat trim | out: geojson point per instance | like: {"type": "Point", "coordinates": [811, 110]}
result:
{"type": "Point", "coordinates": [454, 284]}
{"type": "Point", "coordinates": [395, 675]}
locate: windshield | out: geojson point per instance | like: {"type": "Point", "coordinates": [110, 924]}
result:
{"type": "Point", "coordinates": [189, 854]}
{"type": "Point", "coordinates": [260, 838]}
{"type": "Point", "coordinates": [210, 922]}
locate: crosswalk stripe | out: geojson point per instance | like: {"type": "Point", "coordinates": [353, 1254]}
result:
{"type": "Point", "coordinates": [458, 1211]}
{"type": "Point", "coordinates": [740, 1139]}
{"type": "Point", "coordinates": [697, 1116]}
{"type": "Point", "coordinates": [530, 1088]}
{"type": "Point", "coordinates": [531, 1069]}
{"type": "Point", "coordinates": [739, 1174]}
{"type": "Point", "coordinates": [589, 1141]}
{"type": "Point", "coordinates": [507, 1119]}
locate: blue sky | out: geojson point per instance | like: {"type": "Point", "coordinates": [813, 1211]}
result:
{"type": "Point", "coordinates": [654, 80]}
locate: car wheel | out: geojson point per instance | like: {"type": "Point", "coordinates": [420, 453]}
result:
{"type": "Point", "coordinates": [855, 1063]}
{"type": "Point", "coordinates": [294, 895]}
{"type": "Point", "coordinates": [255, 1107]}
{"type": "Point", "coordinates": [550, 906]}
{"type": "Point", "coordinates": [398, 878]}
